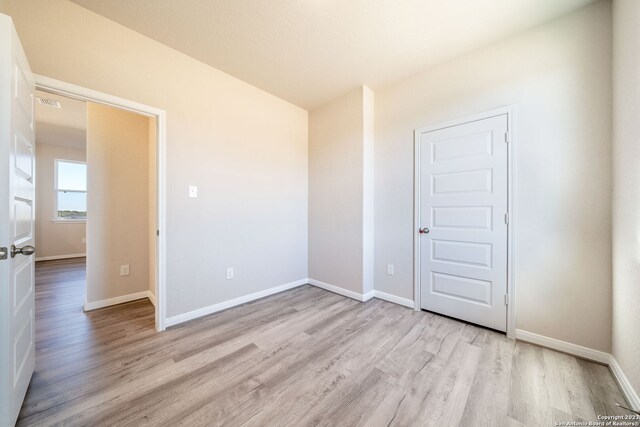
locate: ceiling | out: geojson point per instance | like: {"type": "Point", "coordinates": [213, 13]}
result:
{"type": "Point", "coordinates": [64, 127]}
{"type": "Point", "coordinates": [312, 51]}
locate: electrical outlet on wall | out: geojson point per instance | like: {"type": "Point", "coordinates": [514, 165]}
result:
{"type": "Point", "coordinates": [124, 270]}
{"type": "Point", "coordinates": [390, 269]}
{"type": "Point", "coordinates": [229, 273]}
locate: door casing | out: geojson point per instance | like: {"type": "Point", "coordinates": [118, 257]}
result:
{"type": "Point", "coordinates": [70, 90]}
{"type": "Point", "coordinates": [511, 289]}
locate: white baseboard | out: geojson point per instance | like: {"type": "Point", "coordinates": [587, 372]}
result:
{"type": "Point", "coordinates": [204, 311]}
{"type": "Point", "coordinates": [51, 258]}
{"type": "Point", "coordinates": [394, 299]}
{"type": "Point", "coordinates": [88, 306]}
{"type": "Point", "coordinates": [152, 298]}
{"type": "Point", "coordinates": [563, 346]}
{"type": "Point", "coordinates": [624, 383]}
{"type": "Point", "coordinates": [341, 291]}
{"type": "Point", "coordinates": [361, 297]}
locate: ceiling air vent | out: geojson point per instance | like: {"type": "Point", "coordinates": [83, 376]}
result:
{"type": "Point", "coordinates": [49, 102]}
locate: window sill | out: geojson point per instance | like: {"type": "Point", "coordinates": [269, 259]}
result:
{"type": "Point", "coordinates": [69, 221]}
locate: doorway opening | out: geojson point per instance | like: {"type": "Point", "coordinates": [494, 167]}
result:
{"type": "Point", "coordinates": [61, 184]}
{"type": "Point", "coordinates": [61, 198]}
{"type": "Point", "coordinates": [122, 204]}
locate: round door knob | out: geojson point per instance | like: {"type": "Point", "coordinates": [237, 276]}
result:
{"type": "Point", "coordinates": [25, 250]}
{"type": "Point", "coordinates": [424, 230]}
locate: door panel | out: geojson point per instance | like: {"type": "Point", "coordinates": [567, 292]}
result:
{"type": "Point", "coordinates": [463, 200]}
{"type": "Point", "coordinates": [462, 217]}
{"type": "Point", "coordinates": [462, 182]}
{"type": "Point", "coordinates": [462, 146]}
{"type": "Point", "coordinates": [23, 344]}
{"type": "Point", "coordinates": [465, 253]}
{"type": "Point", "coordinates": [22, 285]}
{"type": "Point", "coordinates": [24, 157]}
{"type": "Point", "coordinates": [473, 290]}
{"type": "Point", "coordinates": [23, 90]}
{"type": "Point", "coordinates": [23, 214]}
{"type": "Point", "coordinates": [17, 302]}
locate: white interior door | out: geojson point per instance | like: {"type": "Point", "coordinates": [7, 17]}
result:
{"type": "Point", "coordinates": [462, 216]}
{"type": "Point", "coordinates": [17, 302]}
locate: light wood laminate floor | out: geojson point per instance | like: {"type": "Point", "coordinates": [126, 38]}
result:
{"type": "Point", "coordinates": [302, 357]}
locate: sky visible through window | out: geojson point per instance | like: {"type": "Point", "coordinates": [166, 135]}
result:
{"type": "Point", "coordinates": [72, 190]}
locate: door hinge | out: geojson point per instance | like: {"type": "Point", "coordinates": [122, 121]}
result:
{"type": "Point", "coordinates": [157, 232]}
{"type": "Point", "coordinates": [506, 299]}
{"type": "Point", "coordinates": [507, 138]}
{"type": "Point", "coordinates": [506, 218]}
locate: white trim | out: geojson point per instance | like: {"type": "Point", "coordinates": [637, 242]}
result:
{"type": "Point", "coordinates": [511, 227]}
{"type": "Point", "coordinates": [54, 257]}
{"type": "Point", "coordinates": [368, 192]}
{"type": "Point", "coordinates": [509, 111]}
{"type": "Point", "coordinates": [67, 89]}
{"type": "Point", "coordinates": [361, 297]}
{"type": "Point", "coordinates": [416, 220]}
{"type": "Point", "coordinates": [341, 291]}
{"type": "Point", "coordinates": [394, 299]}
{"type": "Point", "coordinates": [152, 298]}
{"type": "Point", "coordinates": [85, 94]}
{"type": "Point", "coordinates": [88, 306]}
{"type": "Point", "coordinates": [624, 383]}
{"type": "Point", "coordinates": [161, 190]}
{"type": "Point", "coordinates": [563, 346]}
{"type": "Point", "coordinates": [204, 311]}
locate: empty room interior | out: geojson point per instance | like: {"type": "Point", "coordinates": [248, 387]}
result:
{"type": "Point", "coordinates": [320, 212]}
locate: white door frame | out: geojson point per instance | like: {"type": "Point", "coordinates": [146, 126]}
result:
{"type": "Point", "coordinates": [511, 282]}
{"type": "Point", "coordinates": [67, 89]}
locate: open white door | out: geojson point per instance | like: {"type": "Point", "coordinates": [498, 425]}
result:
{"type": "Point", "coordinates": [17, 301]}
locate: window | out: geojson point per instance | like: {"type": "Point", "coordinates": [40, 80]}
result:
{"type": "Point", "coordinates": [71, 191]}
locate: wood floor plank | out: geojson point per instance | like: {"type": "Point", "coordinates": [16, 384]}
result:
{"type": "Point", "coordinates": [604, 393]}
{"type": "Point", "coordinates": [529, 401]}
{"type": "Point", "coordinates": [489, 396]}
{"type": "Point", "coordinates": [568, 389]}
{"type": "Point", "coordinates": [454, 388]}
{"type": "Point", "coordinates": [301, 357]}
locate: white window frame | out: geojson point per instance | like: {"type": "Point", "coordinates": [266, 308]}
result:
{"type": "Point", "coordinates": [56, 190]}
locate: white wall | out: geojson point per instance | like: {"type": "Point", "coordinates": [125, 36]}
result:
{"type": "Point", "coordinates": [341, 193]}
{"type": "Point", "coordinates": [117, 202]}
{"type": "Point", "coordinates": [244, 148]}
{"type": "Point", "coordinates": [559, 78]}
{"type": "Point", "coordinates": [626, 182]}
{"type": "Point", "coordinates": [55, 239]}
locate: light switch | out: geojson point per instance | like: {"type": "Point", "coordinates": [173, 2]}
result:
{"type": "Point", "coordinates": [193, 191]}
